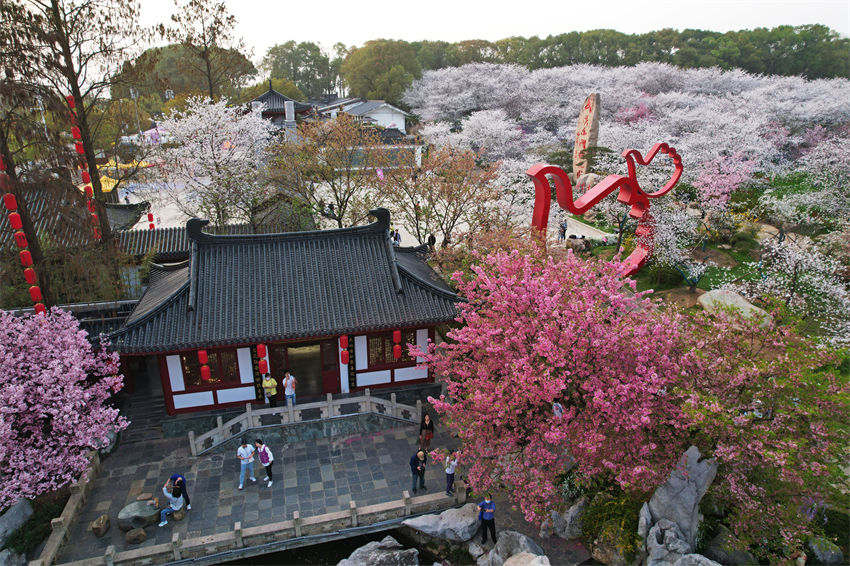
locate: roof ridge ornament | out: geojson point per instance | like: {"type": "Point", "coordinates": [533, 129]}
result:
{"type": "Point", "coordinates": [194, 229]}
{"type": "Point", "coordinates": [382, 218]}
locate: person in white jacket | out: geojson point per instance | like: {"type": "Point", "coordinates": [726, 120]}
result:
{"type": "Point", "coordinates": [266, 457]}
{"type": "Point", "coordinates": [174, 503]}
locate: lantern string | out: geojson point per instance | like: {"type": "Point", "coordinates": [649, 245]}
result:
{"type": "Point", "coordinates": [76, 133]}
{"type": "Point", "coordinates": [15, 221]}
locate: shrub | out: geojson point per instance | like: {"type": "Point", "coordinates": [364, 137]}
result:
{"type": "Point", "coordinates": [37, 528]}
{"type": "Point", "coordinates": [606, 513]}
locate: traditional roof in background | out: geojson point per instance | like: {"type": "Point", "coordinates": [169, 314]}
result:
{"type": "Point", "coordinates": [95, 318]}
{"type": "Point", "coordinates": [125, 216]}
{"type": "Point", "coordinates": [263, 288]}
{"type": "Point", "coordinates": [275, 101]}
{"type": "Point", "coordinates": [369, 105]}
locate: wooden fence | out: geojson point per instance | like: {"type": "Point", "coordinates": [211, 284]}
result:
{"type": "Point", "coordinates": [291, 414]}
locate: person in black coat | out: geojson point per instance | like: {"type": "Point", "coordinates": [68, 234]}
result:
{"type": "Point", "coordinates": [417, 470]}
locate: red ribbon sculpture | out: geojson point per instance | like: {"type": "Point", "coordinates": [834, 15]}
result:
{"type": "Point", "coordinates": [630, 194]}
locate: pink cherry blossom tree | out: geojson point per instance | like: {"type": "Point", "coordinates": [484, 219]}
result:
{"type": "Point", "coordinates": [54, 388]}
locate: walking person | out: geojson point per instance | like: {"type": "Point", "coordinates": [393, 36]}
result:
{"type": "Point", "coordinates": [175, 502]}
{"type": "Point", "coordinates": [266, 457]}
{"type": "Point", "coordinates": [487, 515]}
{"type": "Point", "coordinates": [562, 231]}
{"type": "Point", "coordinates": [270, 389]}
{"type": "Point", "coordinates": [417, 470]}
{"type": "Point", "coordinates": [426, 432]}
{"type": "Point", "coordinates": [451, 466]}
{"type": "Point", "coordinates": [289, 383]}
{"type": "Point", "coordinates": [179, 482]}
{"type": "Point", "coordinates": [245, 453]}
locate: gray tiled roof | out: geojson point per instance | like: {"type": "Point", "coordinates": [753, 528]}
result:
{"type": "Point", "coordinates": [274, 102]}
{"type": "Point", "coordinates": [271, 287]}
{"type": "Point", "coordinates": [171, 244]}
{"type": "Point", "coordinates": [365, 107]}
{"type": "Point", "coordinates": [123, 216]}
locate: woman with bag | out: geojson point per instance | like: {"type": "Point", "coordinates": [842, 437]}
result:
{"type": "Point", "coordinates": [426, 432]}
{"type": "Point", "coordinates": [266, 457]}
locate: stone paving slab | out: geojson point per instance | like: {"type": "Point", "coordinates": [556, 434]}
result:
{"type": "Point", "coordinates": [318, 477]}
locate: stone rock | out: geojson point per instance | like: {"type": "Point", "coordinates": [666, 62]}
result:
{"type": "Point", "coordinates": [100, 525]}
{"type": "Point", "coordinates": [509, 543]}
{"type": "Point", "coordinates": [475, 550]}
{"type": "Point", "coordinates": [111, 443]}
{"type": "Point", "coordinates": [136, 536]}
{"type": "Point", "coordinates": [180, 514]}
{"type": "Point", "coordinates": [644, 521]}
{"type": "Point", "coordinates": [14, 517]}
{"type": "Point", "coordinates": [456, 524]}
{"type": "Point", "coordinates": [607, 548]}
{"type": "Point", "coordinates": [566, 525]}
{"type": "Point", "coordinates": [728, 550]}
{"type": "Point", "coordinates": [677, 499]}
{"type": "Point", "coordinates": [822, 551]}
{"type": "Point", "coordinates": [386, 552]}
{"type": "Point", "coordinates": [665, 544]}
{"type": "Point", "coordinates": [9, 558]}
{"type": "Point", "coordinates": [137, 514]}
{"type": "Point", "coordinates": [695, 560]}
{"type": "Point", "coordinates": [718, 299]}
{"type": "Point", "coordinates": [527, 559]}
{"type": "Point", "coordinates": [144, 496]}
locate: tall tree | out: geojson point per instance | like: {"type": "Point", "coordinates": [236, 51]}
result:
{"type": "Point", "coordinates": [379, 68]}
{"type": "Point", "coordinates": [207, 30]}
{"type": "Point", "coordinates": [304, 64]}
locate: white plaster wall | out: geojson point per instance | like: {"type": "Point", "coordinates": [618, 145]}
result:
{"type": "Point", "coordinates": [236, 394]}
{"type": "Point", "coordinates": [175, 373]}
{"type": "Point", "coordinates": [200, 399]}
{"type": "Point", "coordinates": [361, 355]}
{"type": "Point", "coordinates": [388, 118]}
{"type": "Point", "coordinates": [373, 378]}
{"type": "Point", "coordinates": [406, 374]}
{"type": "Point", "coordinates": [246, 370]}
{"type": "Point", "coordinates": [343, 370]}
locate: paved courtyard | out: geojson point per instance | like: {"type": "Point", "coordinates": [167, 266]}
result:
{"type": "Point", "coordinates": [317, 477]}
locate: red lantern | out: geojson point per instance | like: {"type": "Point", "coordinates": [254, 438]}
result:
{"type": "Point", "coordinates": [26, 258]}
{"type": "Point", "coordinates": [75, 133]}
{"type": "Point", "coordinates": [29, 275]}
{"type": "Point", "coordinates": [89, 192]}
{"type": "Point", "coordinates": [80, 149]}
{"type": "Point", "coordinates": [94, 218]}
{"type": "Point", "coordinates": [150, 216]}
{"type": "Point", "coordinates": [397, 351]}
{"type": "Point", "coordinates": [35, 293]}
{"type": "Point", "coordinates": [21, 239]}
{"type": "Point", "coordinates": [151, 226]}
{"type": "Point", "coordinates": [261, 350]}
{"type": "Point", "coordinates": [202, 357]}
{"type": "Point", "coordinates": [39, 308]}
{"type": "Point", "coordinates": [343, 357]}
{"type": "Point", "coordinates": [343, 342]}
{"type": "Point", "coordinates": [96, 233]}
{"type": "Point", "coordinates": [263, 366]}
{"type": "Point", "coordinates": [205, 373]}
{"type": "Point", "coordinates": [2, 165]}
{"type": "Point", "coordinates": [85, 176]}
{"type": "Point", "coordinates": [15, 221]}
{"type": "Point", "coordinates": [70, 99]}
{"type": "Point", "coordinates": [90, 205]}
{"type": "Point", "coordinates": [396, 336]}
{"type": "Point", "coordinates": [10, 201]}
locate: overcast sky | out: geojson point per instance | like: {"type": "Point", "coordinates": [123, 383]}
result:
{"type": "Point", "coordinates": [263, 23]}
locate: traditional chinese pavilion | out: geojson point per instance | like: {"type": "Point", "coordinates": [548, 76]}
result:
{"type": "Point", "coordinates": [331, 306]}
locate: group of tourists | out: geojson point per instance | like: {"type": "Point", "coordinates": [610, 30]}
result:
{"type": "Point", "coordinates": [270, 388]}
{"type": "Point", "coordinates": [418, 463]}
{"type": "Point", "coordinates": [246, 453]}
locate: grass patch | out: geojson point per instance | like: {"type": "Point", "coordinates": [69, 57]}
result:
{"type": "Point", "coordinates": [37, 528]}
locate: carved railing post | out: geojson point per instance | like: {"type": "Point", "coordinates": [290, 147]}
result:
{"type": "Point", "coordinates": [418, 416]}
{"type": "Point", "coordinates": [175, 546]}
{"type": "Point", "coordinates": [393, 406]}
{"type": "Point", "coordinates": [237, 533]}
{"type": "Point", "coordinates": [249, 416]}
{"type": "Point", "coordinates": [109, 555]}
{"type": "Point", "coordinates": [192, 448]}
{"type": "Point", "coordinates": [405, 498]}
{"type": "Point", "coordinates": [368, 408]}
{"type": "Point", "coordinates": [330, 406]}
{"type": "Point", "coordinates": [352, 506]}
{"type": "Point", "coordinates": [291, 410]}
{"type": "Point", "coordinates": [296, 519]}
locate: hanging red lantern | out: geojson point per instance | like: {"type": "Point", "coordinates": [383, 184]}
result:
{"type": "Point", "coordinates": [205, 373]}
{"type": "Point", "coordinates": [343, 342]}
{"type": "Point", "coordinates": [90, 205]}
{"type": "Point", "coordinates": [21, 239]}
{"type": "Point", "coordinates": [261, 350]}
{"type": "Point", "coordinates": [343, 357]}
{"type": "Point", "coordinates": [26, 258]}
{"type": "Point", "coordinates": [397, 351]}
{"type": "Point", "coordinates": [85, 176]}
{"type": "Point", "coordinates": [396, 336]}
{"type": "Point", "coordinates": [150, 216]}
{"type": "Point", "coordinates": [29, 275]}
{"type": "Point", "coordinates": [263, 366]}
{"type": "Point", "coordinates": [35, 293]}
{"type": "Point", "coordinates": [39, 308]}
{"type": "Point", "coordinates": [93, 218]}
{"type": "Point", "coordinates": [2, 164]}
{"type": "Point", "coordinates": [15, 221]}
{"type": "Point", "coordinates": [151, 226]}
{"type": "Point", "coordinates": [80, 149]}
{"type": "Point", "coordinates": [10, 201]}
{"type": "Point", "coordinates": [70, 99]}
{"type": "Point", "coordinates": [75, 133]}
{"type": "Point", "coordinates": [202, 357]}
{"type": "Point", "coordinates": [89, 191]}
{"type": "Point", "coordinates": [96, 233]}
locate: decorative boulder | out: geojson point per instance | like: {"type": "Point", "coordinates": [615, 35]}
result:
{"type": "Point", "coordinates": [568, 525]}
{"type": "Point", "coordinates": [387, 552]}
{"type": "Point", "coordinates": [822, 551]}
{"type": "Point", "coordinates": [475, 550]}
{"type": "Point", "coordinates": [100, 525]}
{"type": "Point", "coordinates": [137, 514]}
{"type": "Point", "coordinates": [677, 499]}
{"type": "Point", "coordinates": [728, 550]}
{"type": "Point", "coordinates": [509, 543]}
{"type": "Point", "coordinates": [136, 536]}
{"type": "Point", "coordinates": [456, 524]}
{"type": "Point", "coordinates": [9, 558]}
{"type": "Point", "coordinates": [527, 559]}
{"type": "Point", "coordinates": [14, 517]}
{"type": "Point", "coordinates": [717, 299]}
{"type": "Point", "coordinates": [695, 560]}
{"type": "Point", "coordinates": [608, 546]}
{"type": "Point", "coordinates": [665, 544]}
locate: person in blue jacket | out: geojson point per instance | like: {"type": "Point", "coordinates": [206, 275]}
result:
{"type": "Point", "coordinates": [417, 469]}
{"type": "Point", "coordinates": [487, 516]}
